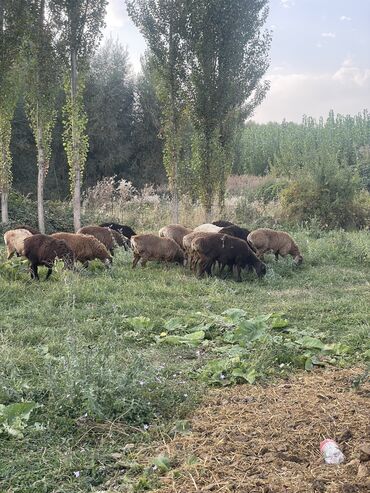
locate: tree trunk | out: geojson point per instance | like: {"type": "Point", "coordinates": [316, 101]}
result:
{"type": "Point", "coordinates": [76, 173]}
{"type": "Point", "coordinates": [40, 180]}
{"type": "Point", "coordinates": [4, 207]}
{"type": "Point", "coordinates": [175, 191]}
{"type": "Point", "coordinates": [77, 200]}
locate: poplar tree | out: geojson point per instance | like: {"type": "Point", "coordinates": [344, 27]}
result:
{"type": "Point", "coordinates": [79, 24]}
{"type": "Point", "coordinates": [227, 53]}
{"type": "Point", "coordinates": [42, 79]}
{"type": "Point", "coordinates": [163, 23]}
{"type": "Point", "coordinates": [12, 14]}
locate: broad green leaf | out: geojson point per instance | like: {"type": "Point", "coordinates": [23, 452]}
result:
{"type": "Point", "coordinates": [309, 342]}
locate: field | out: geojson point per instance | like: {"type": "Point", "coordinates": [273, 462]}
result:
{"type": "Point", "coordinates": [116, 361]}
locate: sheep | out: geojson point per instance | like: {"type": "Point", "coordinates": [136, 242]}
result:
{"type": "Point", "coordinates": [14, 241]}
{"type": "Point", "coordinates": [223, 224]}
{"type": "Point", "coordinates": [44, 250]}
{"type": "Point", "coordinates": [234, 230]}
{"type": "Point", "coordinates": [175, 232]}
{"type": "Point", "coordinates": [279, 242]}
{"type": "Point", "coordinates": [207, 228]}
{"type": "Point", "coordinates": [85, 248]}
{"type": "Point", "coordinates": [33, 231]}
{"type": "Point", "coordinates": [103, 234]}
{"type": "Point", "coordinates": [190, 256]}
{"type": "Point", "coordinates": [151, 247]}
{"type": "Point", "coordinates": [226, 250]}
{"type": "Point", "coordinates": [121, 228]}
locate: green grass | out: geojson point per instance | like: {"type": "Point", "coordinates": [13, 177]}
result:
{"type": "Point", "coordinates": [100, 378]}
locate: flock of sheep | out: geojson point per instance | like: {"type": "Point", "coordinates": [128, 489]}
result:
{"type": "Point", "coordinates": [220, 243]}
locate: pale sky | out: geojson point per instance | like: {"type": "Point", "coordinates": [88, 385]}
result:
{"type": "Point", "coordinates": [320, 56]}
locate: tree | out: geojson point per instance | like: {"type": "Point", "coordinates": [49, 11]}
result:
{"type": "Point", "coordinates": [42, 77]}
{"type": "Point", "coordinates": [79, 24]}
{"type": "Point", "coordinates": [162, 23]}
{"type": "Point", "coordinates": [11, 34]}
{"type": "Point", "coordinates": [109, 101]}
{"type": "Point", "coordinates": [227, 52]}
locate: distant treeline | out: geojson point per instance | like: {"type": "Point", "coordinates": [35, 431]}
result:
{"type": "Point", "coordinates": [288, 147]}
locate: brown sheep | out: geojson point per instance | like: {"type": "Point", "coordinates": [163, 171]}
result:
{"type": "Point", "coordinates": [151, 247]}
{"type": "Point", "coordinates": [190, 256]}
{"type": "Point", "coordinates": [44, 250]}
{"type": "Point", "coordinates": [108, 237]}
{"type": "Point", "coordinates": [33, 231]}
{"type": "Point", "coordinates": [85, 248]}
{"type": "Point", "coordinates": [14, 241]}
{"type": "Point", "coordinates": [281, 243]}
{"type": "Point", "coordinates": [175, 232]}
{"type": "Point", "coordinates": [226, 250]}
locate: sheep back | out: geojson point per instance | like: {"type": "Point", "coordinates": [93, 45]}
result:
{"type": "Point", "coordinates": [222, 224]}
{"type": "Point", "coordinates": [152, 247]}
{"type": "Point", "coordinates": [85, 247]}
{"type": "Point", "coordinates": [175, 232]}
{"type": "Point", "coordinates": [14, 241]}
{"type": "Point", "coordinates": [207, 228]}
{"type": "Point", "coordinates": [121, 228]}
{"type": "Point", "coordinates": [102, 234]}
{"type": "Point", "coordinates": [279, 242]}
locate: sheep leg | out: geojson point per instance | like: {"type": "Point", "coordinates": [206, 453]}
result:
{"type": "Point", "coordinates": [238, 273]}
{"type": "Point", "coordinates": [276, 256]}
{"type": "Point", "coordinates": [10, 255]}
{"type": "Point", "coordinates": [144, 261]}
{"type": "Point", "coordinates": [50, 270]}
{"type": "Point", "coordinates": [34, 273]}
{"type": "Point", "coordinates": [136, 260]}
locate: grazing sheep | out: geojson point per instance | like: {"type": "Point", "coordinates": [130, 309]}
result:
{"type": "Point", "coordinates": [279, 242]}
{"type": "Point", "coordinates": [175, 232]}
{"type": "Point", "coordinates": [207, 228]}
{"type": "Point", "coordinates": [14, 241]}
{"type": "Point", "coordinates": [151, 247]}
{"type": "Point", "coordinates": [241, 233]}
{"type": "Point", "coordinates": [103, 234]}
{"type": "Point", "coordinates": [121, 228]}
{"type": "Point", "coordinates": [190, 257]}
{"type": "Point", "coordinates": [223, 224]}
{"type": "Point", "coordinates": [85, 248]}
{"type": "Point", "coordinates": [33, 231]}
{"type": "Point", "coordinates": [226, 250]}
{"type": "Point", "coordinates": [44, 250]}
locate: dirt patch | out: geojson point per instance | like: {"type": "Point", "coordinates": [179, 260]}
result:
{"type": "Point", "coordinates": [255, 439]}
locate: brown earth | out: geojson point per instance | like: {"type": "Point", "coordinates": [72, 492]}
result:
{"type": "Point", "coordinates": [265, 439]}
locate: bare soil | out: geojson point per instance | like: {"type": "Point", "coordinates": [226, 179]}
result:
{"type": "Point", "coordinates": [265, 439]}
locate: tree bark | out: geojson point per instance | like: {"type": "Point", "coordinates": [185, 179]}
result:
{"type": "Point", "coordinates": [40, 180]}
{"type": "Point", "coordinates": [4, 207]}
{"type": "Point", "coordinates": [75, 156]}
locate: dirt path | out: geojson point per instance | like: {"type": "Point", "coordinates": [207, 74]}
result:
{"type": "Point", "coordinates": [254, 439]}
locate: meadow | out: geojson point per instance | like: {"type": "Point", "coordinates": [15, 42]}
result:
{"type": "Point", "coordinates": [115, 360]}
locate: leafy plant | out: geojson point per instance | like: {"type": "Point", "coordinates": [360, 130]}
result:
{"type": "Point", "coordinates": [14, 418]}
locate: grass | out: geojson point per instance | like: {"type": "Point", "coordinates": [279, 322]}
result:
{"type": "Point", "coordinates": [82, 346]}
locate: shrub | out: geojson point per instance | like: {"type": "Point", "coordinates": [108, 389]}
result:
{"type": "Point", "coordinates": [329, 194]}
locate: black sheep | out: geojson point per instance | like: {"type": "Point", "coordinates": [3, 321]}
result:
{"type": "Point", "coordinates": [124, 230]}
{"type": "Point", "coordinates": [223, 224]}
{"type": "Point", "coordinates": [226, 250]}
{"type": "Point", "coordinates": [43, 250]}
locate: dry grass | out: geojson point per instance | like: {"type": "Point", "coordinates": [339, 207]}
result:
{"type": "Point", "coordinates": [254, 439]}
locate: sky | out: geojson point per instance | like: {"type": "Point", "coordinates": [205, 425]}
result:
{"type": "Point", "coordinates": [319, 58]}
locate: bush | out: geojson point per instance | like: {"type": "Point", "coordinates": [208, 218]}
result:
{"type": "Point", "coordinates": [22, 210]}
{"type": "Point", "coordinates": [269, 190]}
{"type": "Point", "coordinates": [328, 194]}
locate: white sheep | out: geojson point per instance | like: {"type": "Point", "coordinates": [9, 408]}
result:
{"type": "Point", "coordinates": [14, 241]}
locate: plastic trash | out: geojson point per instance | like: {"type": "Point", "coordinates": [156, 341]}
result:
{"type": "Point", "coordinates": [331, 452]}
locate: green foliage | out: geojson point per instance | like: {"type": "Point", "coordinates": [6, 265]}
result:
{"type": "Point", "coordinates": [14, 418]}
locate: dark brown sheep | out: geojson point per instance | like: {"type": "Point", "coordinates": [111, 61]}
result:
{"type": "Point", "coordinates": [235, 231]}
{"type": "Point", "coordinates": [175, 232]}
{"type": "Point", "coordinates": [108, 237]}
{"type": "Point", "coordinates": [279, 242]}
{"type": "Point", "coordinates": [121, 228]}
{"type": "Point", "coordinates": [151, 247]}
{"type": "Point", "coordinates": [190, 256]}
{"type": "Point", "coordinates": [44, 250]}
{"type": "Point", "coordinates": [223, 224]}
{"type": "Point", "coordinates": [226, 250]}
{"type": "Point", "coordinates": [85, 248]}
